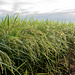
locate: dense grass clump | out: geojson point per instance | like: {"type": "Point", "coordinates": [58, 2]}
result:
{"type": "Point", "coordinates": [33, 46]}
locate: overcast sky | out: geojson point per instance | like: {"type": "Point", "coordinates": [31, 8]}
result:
{"type": "Point", "coordinates": [27, 7]}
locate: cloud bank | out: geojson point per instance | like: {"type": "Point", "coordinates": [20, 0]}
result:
{"type": "Point", "coordinates": [56, 9]}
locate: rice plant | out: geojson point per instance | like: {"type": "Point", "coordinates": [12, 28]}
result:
{"type": "Point", "coordinates": [35, 46]}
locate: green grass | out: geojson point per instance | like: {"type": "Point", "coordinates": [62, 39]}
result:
{"type": "Point", "coordinates": [35, 46]}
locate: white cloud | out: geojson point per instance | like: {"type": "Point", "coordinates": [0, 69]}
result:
{"type": "Point", "coordinates": [40, 6]}
{"type": "Point", "coordinates": [49, 6]}
{"type": "Point", "coordinates": [6, 7]}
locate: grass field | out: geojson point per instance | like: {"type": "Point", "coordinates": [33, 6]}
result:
{"type": "Point", "coordinates": [35, 46]}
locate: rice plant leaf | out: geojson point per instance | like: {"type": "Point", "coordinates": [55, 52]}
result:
{"type": "Point", "coordinates": [15, 18]}
{"type": "Point", "coordinates": [21, 65]}
{"type": "Point", "coordinates": [26, 72]}
{"type": "Point", "coordinates": [10, 67]}
{"type": "Point", "coordinates": [8, 21]}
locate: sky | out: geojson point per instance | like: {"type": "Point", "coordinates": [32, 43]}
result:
{"type": "Point", "coordinates": [41, 7]}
